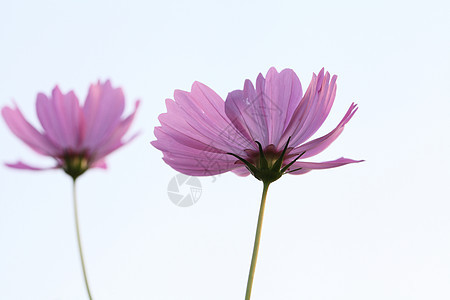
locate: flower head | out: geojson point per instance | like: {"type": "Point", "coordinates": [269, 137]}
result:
{"type": "Point", "coordinates": [77, 137]}
{"type": "Point", "coordinates": [262, 129]}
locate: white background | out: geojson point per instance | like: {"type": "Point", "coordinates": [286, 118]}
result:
{"type": "Point", "coordinates": [375, 230]}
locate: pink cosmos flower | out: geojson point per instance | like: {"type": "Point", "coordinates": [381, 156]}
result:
{"type": "Point", "coordinates": [77, 137]}
{"type": "Point", "coordinates": [256, 128]}
{"type": "Point", "coordinates": [262, 130]}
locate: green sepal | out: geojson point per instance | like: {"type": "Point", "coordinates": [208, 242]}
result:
{"type": "Point", "coordinates": [262, 158]}
{"type": "Point", "coordinates": [262, 171]}
{"type": "Point", "coordinates": [249, 166]}
{"type": "Point", "coordinates": [279, 162]}
{"type": "Point", "coordinates": [292, 162]}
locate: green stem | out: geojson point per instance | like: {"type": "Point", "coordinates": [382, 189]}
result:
{"type": "Point", "coordinates": [75, 206]}
{"type": "Point", "coordinates": [251, 274]}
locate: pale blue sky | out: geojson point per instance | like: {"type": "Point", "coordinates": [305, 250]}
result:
{"type": "Point", "coordinates": [377, 230]}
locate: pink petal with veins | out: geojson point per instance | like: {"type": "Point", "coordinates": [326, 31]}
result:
{"type": "Point", "coordinates": [308, 166]}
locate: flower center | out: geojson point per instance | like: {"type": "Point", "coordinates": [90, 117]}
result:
{"type": "Point", "coordinates": [75, 164]}
{"type": "Point", "coordinates": [267, 164]}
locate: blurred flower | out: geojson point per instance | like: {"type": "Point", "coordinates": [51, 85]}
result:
{"type": "Point", "coordinates": [77, 137]}
{"type": "Point", "coordinates": [259, 130]}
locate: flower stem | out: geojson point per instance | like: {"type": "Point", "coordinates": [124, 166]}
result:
{"type": "Point", "coordinates": [251, 274]}
{"type": "Point", "coordinates": [75, 206]}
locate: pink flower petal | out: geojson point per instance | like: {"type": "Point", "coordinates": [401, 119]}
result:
{"type": "Point", "coordinates": [100, 164]}
{"type": "Point", "coordinates": [202, 126]}
{"type": "Point", "coordinates": [312, 110]}
{"type": "Point", "coordinates": [283, 92]}
{"type": "Point", "coordinates": [102, 111]}
{"type": "Point", "coordinates": [27, 133]}
{"type": "Point", "coordinates": [60, 117]}
{"type": "Point", "coordinates": [23, 166]}
{"type": "Point", "coordinates": [316, 146]}
{"type": "Point", "coordinates": [308, 166]}
{"type": "Point", "coordinates": [174, 141]}
{"type": "Point", "coordinates": [198, 166]}
{"type": "Point", "coordinates": [115, 140]}
{"type": "Point", "coordinates": [196, 162]}
{"type": "Point", "coordinates": [243, 108]}
{"type": "Point", "coordinates": [262, 114]}
{"type": "Point", "coordinates": [241, 171]}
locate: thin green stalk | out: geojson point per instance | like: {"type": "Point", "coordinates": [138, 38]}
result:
{"type": "Point", "coordinates": [75, 206]}
{"type": "Point", "coordinates": [251, 274]}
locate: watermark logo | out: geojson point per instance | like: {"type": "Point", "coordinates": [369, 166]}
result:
{"type": "Point", "coordinates": [184, 190]}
